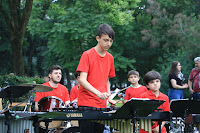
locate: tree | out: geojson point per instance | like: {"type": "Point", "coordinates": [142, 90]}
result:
{"type": "Point", "coordinates": [172, 31]}
{"type": "Point", "coordinates": [71, 29]}
{"type": "Point", "coordinates": [16, 14]}
{"type": "Point", "coordinates": [178, 36]}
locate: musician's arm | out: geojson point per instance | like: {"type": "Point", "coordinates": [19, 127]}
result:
{"type": "Point", "coordinates": [108, 86]}
{"type": "Point", "coordinates": [112, 102]}
{"type": "Point", "coordinates": [163, 124]}
{"type": "Point", "coordinates": [86, 85]}
{"type": "Point", "coordinates": [36, 106]}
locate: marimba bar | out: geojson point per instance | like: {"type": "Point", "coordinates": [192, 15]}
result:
{"type": "Point", "coordinates": [146, 124]}
{"type": "Point", "coordinates": [122, 125]}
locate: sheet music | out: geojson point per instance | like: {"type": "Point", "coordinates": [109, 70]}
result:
{"type": "Point", "coordinates": [143, 99]}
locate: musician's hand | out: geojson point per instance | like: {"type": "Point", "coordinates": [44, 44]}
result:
{"type": "Point", "coordinates": [191, 91]}
{"type": "Point", "coordinates": [113, 103]}
{"type": "Point", "coordinates": [156, 129]}
{"type": "Point", "coordinates": [103, 96]}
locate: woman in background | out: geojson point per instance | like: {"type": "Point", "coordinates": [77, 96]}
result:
{"type": "Point", "coordinates": [176, 81]}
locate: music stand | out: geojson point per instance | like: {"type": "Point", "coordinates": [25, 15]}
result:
{"type": "Point", "coordinates": [142, 107]}
{"type": "Point", "coordinates": [184, 107]}
{"type": "Point", "coordinates": [135, 108]}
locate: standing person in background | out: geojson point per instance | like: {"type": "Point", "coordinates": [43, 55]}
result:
{"type": "Point", "coordinates": [75, 90]}
{"type": "Point", "coordinates": [152, 80]}
{"type": "Point", "coordinates": [136, 89]}
{"type": "Point", "coordinates": [194, 80]}
{"type": "Point", "coordinates": [59, 90]}
{"type": "Point", "coordinates": [176, 81]}
{"type": "Point", "coordinates": [96, 66]}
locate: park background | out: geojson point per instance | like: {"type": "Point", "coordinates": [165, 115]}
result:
{"type": "Point", "coordinates": [150, 34]}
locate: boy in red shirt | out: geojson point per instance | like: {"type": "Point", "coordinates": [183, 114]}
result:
{"type": "Point", "coordinates": [136, 89]}
{"type": "Point", "coordinates": [152, 79]}
{"type": "Point", "coordinates": [96, 66]}
{"type": "Point", "coordinates": [74, 90]}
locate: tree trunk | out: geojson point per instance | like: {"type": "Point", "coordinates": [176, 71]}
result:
{"type": "Point", "coordinates": [17, 56]}
{"type": "Point", "coordinates": [17, 21]}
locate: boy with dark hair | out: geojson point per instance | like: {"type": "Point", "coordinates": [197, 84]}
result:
{"type": "Point", "coordinates": [152, 80]}
{"type": "Point", "coordinates": [136, 89]}
{"type": "Point", "coordinates": [74, 90]}
{"type": "Point", "coordinates": [96, 66]}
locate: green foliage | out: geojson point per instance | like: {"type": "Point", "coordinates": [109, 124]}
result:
{"type": "Point", "coordinates": [16, 80]}
{"type": "Point", "coordinates": [187, 7]}
{"type": "Point", "coordinates": [122, 62]}
{"type": "Point", "coordinates": [118, 11]}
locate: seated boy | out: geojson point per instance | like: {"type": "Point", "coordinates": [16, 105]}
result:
{"type": "Point", "coordinates": [136, 89]}
{"type": "Point", "coordinates": [152, 80]}
{"type": "Point", "coordinates": [75, 90]}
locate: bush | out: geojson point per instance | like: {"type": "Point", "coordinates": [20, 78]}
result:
{"type": "Point", "coordinates": [16, 80]}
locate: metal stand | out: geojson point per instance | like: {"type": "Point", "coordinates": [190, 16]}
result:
{"type": "Point", "coordinates": [46, 124]}
{"type": "Point", "coordinates": [7, 120]}
{"type": "Point", "coordinates": [35, 124]}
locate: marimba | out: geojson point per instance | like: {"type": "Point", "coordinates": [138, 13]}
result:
{"type": "Point", "coordinates": [122, 119]}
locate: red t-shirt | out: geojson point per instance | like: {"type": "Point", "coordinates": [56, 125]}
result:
{"type": "Point", "coordinates": [134, 92]}
{"type": "Point", "coordinates": [195, 79]}
{"type": "Point", "coordinates": [60, 92]}
{"type": "Point", "coordinates": [164, 107]}
{"type": "Point", "coordinates": [99, 69]}
{"type": "Point", "coordinates": [74, 93]}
